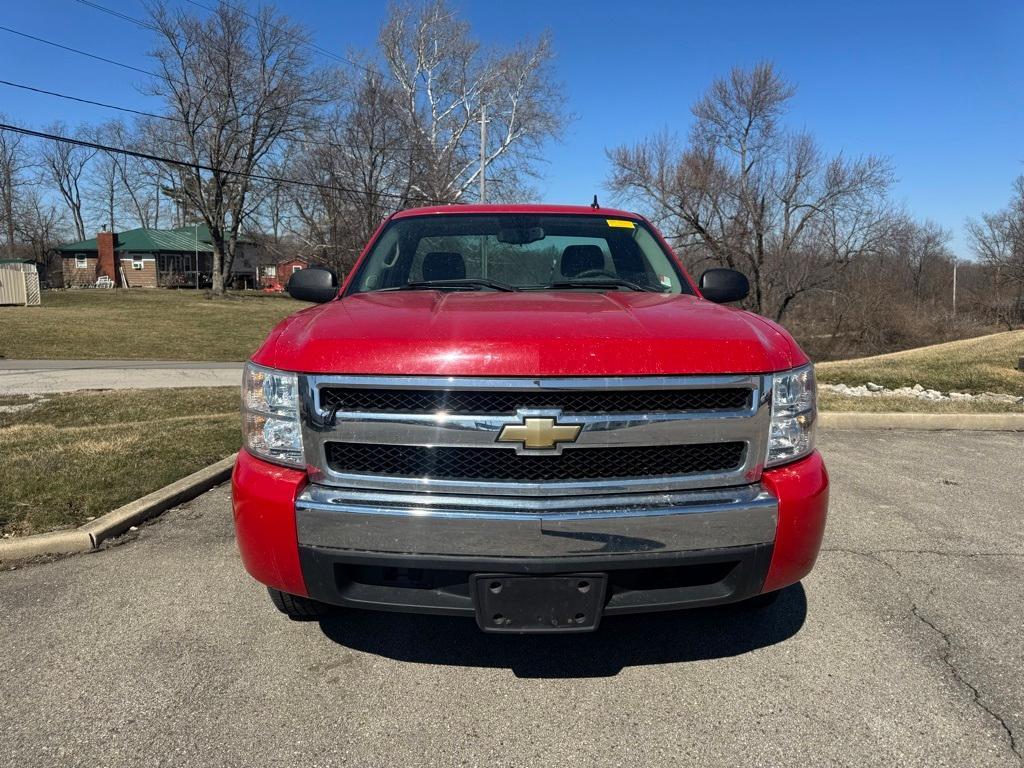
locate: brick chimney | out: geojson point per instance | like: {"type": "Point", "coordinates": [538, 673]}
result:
{"type": "Point", "coordinates": [106, 262]}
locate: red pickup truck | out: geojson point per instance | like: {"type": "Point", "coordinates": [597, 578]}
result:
{"type": "Point", "coordinates": [530, 415]}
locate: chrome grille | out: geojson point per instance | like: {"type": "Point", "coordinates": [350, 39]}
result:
{"type": "Point", "coordinates": [508, 402]}
{"type": "Point", "coordinates": [486, 464]}
{"type": "Point", "coordinates": [440, 434]}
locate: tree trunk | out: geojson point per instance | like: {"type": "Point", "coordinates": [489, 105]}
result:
{"type": "Point", "coordinates": [110, 203]}
{"type": "Point", "coordinates": [76, 212]}
{"type": "Point", "coordinates": [229, 258]}
{"type": "Point", "coordinates": [781, 311]}
{"type": "Point", "coordinates": [217, 277]}
{"type": "Point", "coordinates": [9, 208]}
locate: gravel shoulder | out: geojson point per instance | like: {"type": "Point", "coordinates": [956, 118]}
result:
{"type": "Point", "coordinates": [901, 648]}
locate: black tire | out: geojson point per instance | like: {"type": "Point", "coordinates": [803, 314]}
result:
{"type": "Point", "coordinates": [298, 608]}
{"type": "Point", "coordinates": [759, 602]}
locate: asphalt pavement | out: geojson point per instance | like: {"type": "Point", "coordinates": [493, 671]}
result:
{"type": "Point", "coordinates": [35, 377]}
{"type": "Point", "coordinates": [903, 647]}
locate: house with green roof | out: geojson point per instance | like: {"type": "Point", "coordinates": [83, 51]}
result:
{"type": "Point", "coordinates": [151, 258]}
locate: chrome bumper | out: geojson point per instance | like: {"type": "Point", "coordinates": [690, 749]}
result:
{"type": "Point", "coordinates": [553, 527]}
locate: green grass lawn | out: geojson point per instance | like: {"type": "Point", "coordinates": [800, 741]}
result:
{"type": "Point", "coordinates": [983, 364]}
{"type": "Point", "coordinates": [69, 457]}
{"type": "Point", "coordinates": [91, 324]}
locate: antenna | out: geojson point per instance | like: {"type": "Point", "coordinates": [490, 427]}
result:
{"type": "Point", "coordinates": [595, 205]}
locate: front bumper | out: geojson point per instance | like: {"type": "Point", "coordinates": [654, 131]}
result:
{"type": "Point", "coordinates": [398, 552]}
{"type": "Point", "coordinates": [513, 529]}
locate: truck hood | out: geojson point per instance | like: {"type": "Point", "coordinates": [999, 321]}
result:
{"type": "Point", "coordinates": [551, 333]}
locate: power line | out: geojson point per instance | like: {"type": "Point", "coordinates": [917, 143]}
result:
{"type": "Point", "coordinates": [308, 43]}
{"type": "Point", "coordinates": [105, 60]}
{"type": "Point", "coordinates": [79, 52]}
{"type": "Point", "coordinates": [173, 119]}
{"type": "Point", "coordinates": [118, 14]}
{"type": "Point", "coordinates": [88, 101]}
{"type": "Point", "coordinates": [158, 76]}
{"type": "Point", "coordinates": [198, 166]}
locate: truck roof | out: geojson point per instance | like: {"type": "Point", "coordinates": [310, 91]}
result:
{"type": "Point", "coordinates": [529, 208]}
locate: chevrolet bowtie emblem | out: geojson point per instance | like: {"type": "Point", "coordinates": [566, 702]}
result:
{"type": "Point", "coordinates": [539, 433]}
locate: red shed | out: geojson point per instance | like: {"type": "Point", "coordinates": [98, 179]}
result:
{"type": "Point", "coordinates": [274, 277]}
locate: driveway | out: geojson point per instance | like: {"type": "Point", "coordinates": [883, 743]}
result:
{"type": "Point", "coordinates": [30, 377]}
{"type": "Point", "coordinates": [903, 647]}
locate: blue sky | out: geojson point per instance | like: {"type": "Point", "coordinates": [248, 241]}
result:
{"type": "Point", "coordinates": [936, 86]}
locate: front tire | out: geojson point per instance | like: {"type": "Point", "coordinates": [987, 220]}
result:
{"type": "Point", "coordinates": [298, 608]}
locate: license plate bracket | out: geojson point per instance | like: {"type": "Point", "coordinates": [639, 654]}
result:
{"type": "Point", "coordinates": [520, 603]}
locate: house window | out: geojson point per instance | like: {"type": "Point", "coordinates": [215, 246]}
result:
{"type": "Point", "coordinates": [296, 268]}
{"type": "Point", "coordinates": [270, 271]}
{"type": "Point", "coordinates": [81, 262]}
{"type": "Point", "coordinates": [136, 263]}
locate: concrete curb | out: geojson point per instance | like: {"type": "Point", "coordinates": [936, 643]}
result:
{"type": "Point", "coordinates": [89, 536]}
{"type": "Point", "coordinates": [55, 543]}
{"type": "Point", "coordinates": [985, 422]}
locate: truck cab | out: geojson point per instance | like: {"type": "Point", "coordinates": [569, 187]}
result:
{"type": "Point", "coordinates": [531, 416]}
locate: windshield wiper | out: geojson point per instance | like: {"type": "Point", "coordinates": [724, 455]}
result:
{"type": "Point", "coordinates": [601, 282]}
{"type": "Point", "coordinates": [470, 283]}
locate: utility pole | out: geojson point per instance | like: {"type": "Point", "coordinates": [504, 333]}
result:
{"type": "Point", "coordinates": [483, 153]}
{"type": "Point", "coordinates": [956, 262]}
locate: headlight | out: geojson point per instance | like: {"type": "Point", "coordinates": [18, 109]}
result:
{"type": "Point", "coordinates": [270, 415]}
{"type": "Point", "coordinates": [794, 410]}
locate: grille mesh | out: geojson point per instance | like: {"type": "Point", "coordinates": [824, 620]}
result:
{"type": "Point", "coordinates": [502, 464]}
{"type": "Point", "coordinates": [502, 402]}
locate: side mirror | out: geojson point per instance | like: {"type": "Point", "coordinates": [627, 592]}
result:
{"type": "Point", "coordinates": [317, 284]}
{"type": "Point", "coordinates": [724, 285]}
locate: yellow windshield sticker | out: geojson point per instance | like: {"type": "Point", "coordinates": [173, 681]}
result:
{"type": "Point", "coordinates": [621, 223]}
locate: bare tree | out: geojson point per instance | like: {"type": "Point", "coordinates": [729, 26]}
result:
{"type": "Point", "coordinates": [14, 162]}
{"type": "Point", "coordinates": [921, 249]}
{"type": "Point", "coordinates": [40, 228]}
{"type": "Point", "coordinates": [362, 161]}
{"type": "Point", "coordinates": [237, 85]}
{"type": "Point", "coordinates": [747, 194]}
{"type": "Point", "coordinates": [998, 238]}
{"type": "Point", "coordinates": [64, 165]}
{"type": "Point", "coordinates": [410, 134]}
{"type": "Point", "coordinates": [135, 196]}
{"type": "Point", "coordinates": [32, 222]}
{"type": "Point", "coordinates": [446, 80]}
{"type": "Point", "coordinates": [998, 241]}
{"type": "Point", "coordinates": [102, 182]}
{"type": "Point", "coordinates": [154, 185]}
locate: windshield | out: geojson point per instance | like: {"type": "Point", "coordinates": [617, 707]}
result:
{"type": "Point", "coordinates": [517, 252]}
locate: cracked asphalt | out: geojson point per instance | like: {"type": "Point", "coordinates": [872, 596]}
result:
{"type": "Point", "coordinates": [903, 647]}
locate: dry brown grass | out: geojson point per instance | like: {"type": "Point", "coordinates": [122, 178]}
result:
{"type": "Point", "coordinates": [91, 324]}
{"type": "Point", "coordinates": [983, 364]}
{"type": "Point", "coordinates": [74, 456]}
